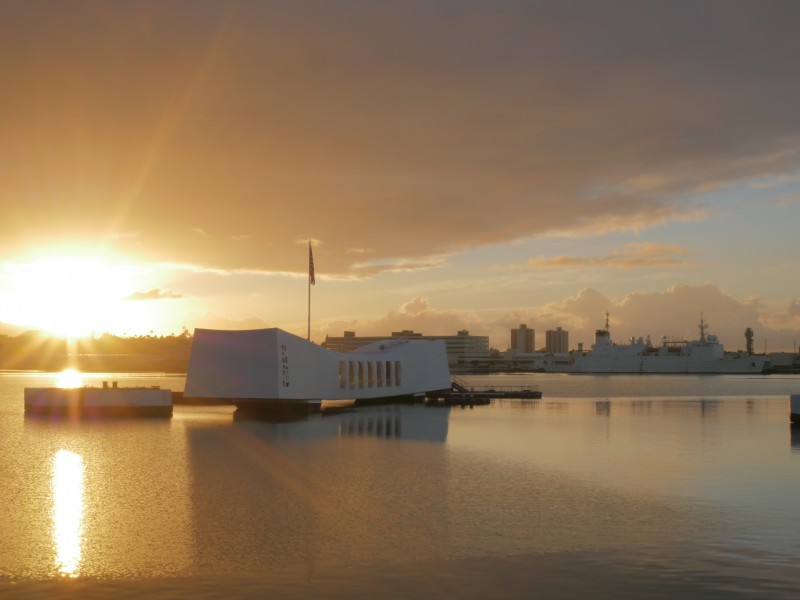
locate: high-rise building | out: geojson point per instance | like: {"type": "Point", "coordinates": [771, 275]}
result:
{"type": "Point", "coordinates": [523, 340]}
{"type": "Point", "coordinates": [557, 340]}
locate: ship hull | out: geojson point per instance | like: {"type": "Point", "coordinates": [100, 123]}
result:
{"type": "Point", "coordinates": [665, 365]}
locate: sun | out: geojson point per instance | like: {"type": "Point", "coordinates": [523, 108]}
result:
{"type": "Point", "coordinates": [69, 378]}
{"type": "Point", "coordinates": [68, 296]}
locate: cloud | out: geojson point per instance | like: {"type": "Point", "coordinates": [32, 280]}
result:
{"type": "Point", "coordinates": [788, 200]}
{"type": "Point", "coordinates": [674, 313]}
{"type": "Point", "coordinates": [203, 269]}
{"type": "Point", "coordinates": [125, 234]}
{"type": "Point", "coordinates": [415, 307]}
{"type": "Point", "coordinates": [599, 222]}
{"type": "Point", "coordinates": [631, 256]}
{"type": "Point", "coordinates": [154, 294]}
{"type": "Point", "coordinates": [787, 322]}
{"type": "Point", "coordinates": [415, 314]}
{"type": "Point", "coordinates": [375, 267]}
{"type": "Point", "coordinates": [416, 130]}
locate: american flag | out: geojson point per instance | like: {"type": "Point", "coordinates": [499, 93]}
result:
{"type": "Point", "coordinates": [310, 265]}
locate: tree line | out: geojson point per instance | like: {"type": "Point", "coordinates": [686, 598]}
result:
{"type": "Point", "coordinates": [103, 353]}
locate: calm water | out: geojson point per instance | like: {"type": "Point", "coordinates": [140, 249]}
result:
{"type": "Point", "coordinates": [608, 486]}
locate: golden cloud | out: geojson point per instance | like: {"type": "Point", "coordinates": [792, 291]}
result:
{"type": "Point", "coordinates": [631, 256]}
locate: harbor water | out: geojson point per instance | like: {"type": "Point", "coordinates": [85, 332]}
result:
{"type": "Point", "coordinates": [608, 486]}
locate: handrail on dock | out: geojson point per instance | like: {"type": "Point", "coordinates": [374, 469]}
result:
{"type": "Point", "coordinates": [463, 393]}
{"type": "Point", "coordinates": [459, 385]}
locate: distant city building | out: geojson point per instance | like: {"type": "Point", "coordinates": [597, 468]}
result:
{"type": "Point", "coordinates": [464, 351]}
{"type": "Point", "coordinates": [523, 340]}
{"type": "Point", "coordinates": [557, 341]}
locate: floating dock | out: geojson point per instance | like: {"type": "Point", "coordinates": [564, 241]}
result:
{"type": "Point", "coordinates": [463, 394]}
{"type": "Point", "coordinates": [107, 401]}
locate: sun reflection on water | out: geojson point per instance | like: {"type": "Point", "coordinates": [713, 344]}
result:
{"type": "Point", "coordinates": [67, 511]}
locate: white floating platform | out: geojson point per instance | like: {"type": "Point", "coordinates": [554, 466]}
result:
{"type": "Point", "coordinates": [99, 402]}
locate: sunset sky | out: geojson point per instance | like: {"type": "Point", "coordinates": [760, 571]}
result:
{"type": "Point", "coordinates": [458, 165]}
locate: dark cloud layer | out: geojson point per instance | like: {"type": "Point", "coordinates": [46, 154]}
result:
{"type": "Point", "coordinates": [413, 129]}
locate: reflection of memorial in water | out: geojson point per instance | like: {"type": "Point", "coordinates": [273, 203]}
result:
{"type": "Point", "coordinates": [407, 422]}
{"type": "Point", "coordinates": [381, 425]}
{"type": "Point", "coordinates": [270, 494]}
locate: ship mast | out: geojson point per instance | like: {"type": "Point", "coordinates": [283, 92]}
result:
{"type": "Point", "coordinates": [703, 326]}
{"type": "Point", "coordinates": [607, 315]}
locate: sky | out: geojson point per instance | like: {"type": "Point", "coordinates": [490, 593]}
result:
{"type": "Point", "coordinates": [455, 165]}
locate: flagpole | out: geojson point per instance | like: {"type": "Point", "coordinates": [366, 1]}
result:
{"type": "Point", "coordinates": [311, 281]}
